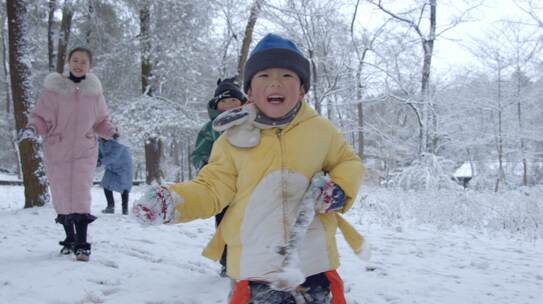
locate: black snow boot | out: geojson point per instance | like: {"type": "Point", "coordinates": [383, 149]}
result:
{"type": "Point", "coordinates": [124, 197]}
{"type": "Point", "coordinates": [67, 247]}
{"type": "Point", "coordinates": [82, 248]}
{"type": "Point", "coordinates": [82, 251]}
{"type": "Point", "coordinates": [68, 243]}
{"type": "Point", "coordinates": [110, 202]}
{"type": "Point", "coordinates": [223, 263]}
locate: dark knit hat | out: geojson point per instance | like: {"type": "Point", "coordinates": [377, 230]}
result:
{"type": "Point", "coordinates": [274, 51]}
{"type": "Point", "coordinates": [227, 88]}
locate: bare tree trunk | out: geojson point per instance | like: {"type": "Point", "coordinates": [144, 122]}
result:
{"type": "Point", "coordinates": [428, 121]}
{"type": "Point", "coordinates": [51, 34]}
{"type": "Point", "coordinates": [174, 152]}
{"type": "Point", "coordinates": [314, 82]}
{"type": "Point", "coordinates": [5, 66]}
{"type": "Point", "coordinates": [428, 110]}
{"type": "Point", "coordinates": [145, 40]}
{"type": "Point", "coordinates": [244, 52]}
{"type": "Point", "coordinates": [153, 156]}
{"type": "Point", "coordinates": [520, 125]}
{"type": "Point", "coordinates": [499, 135]}
{"type": "Point", "coordinates": [64, 35]}
{"type": "Point", "coordinates": [91, 34]}
{"type": "Point", "coordinates": [189, 165]}
{"type": "Point", "coordinates": [34, 180]}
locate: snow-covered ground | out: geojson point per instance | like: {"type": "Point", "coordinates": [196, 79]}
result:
{"type": "Point", "coordinates": [414, 260]}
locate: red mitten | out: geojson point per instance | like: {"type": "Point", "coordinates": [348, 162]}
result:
{"type": "Point", "coordinates": [332, 197]}
{"type": "Point", "coordinates": [156, 206]}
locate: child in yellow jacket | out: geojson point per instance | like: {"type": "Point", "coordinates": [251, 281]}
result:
{"type": "Point", "coordinates": [285, 173]}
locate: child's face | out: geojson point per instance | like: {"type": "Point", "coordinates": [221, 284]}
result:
{"type": "Point", "coordinates": [227, 104]}
{"type": "Point", "coordinates": [275, 91]}
{"type": "Point", "coordinates": [79, 64]}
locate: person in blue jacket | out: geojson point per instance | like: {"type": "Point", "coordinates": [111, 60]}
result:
{"type": "Point", "coordinates": [117, 161]}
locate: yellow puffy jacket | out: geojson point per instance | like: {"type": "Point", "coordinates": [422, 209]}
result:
{"type": "Point", "coordinates": [263, 186]}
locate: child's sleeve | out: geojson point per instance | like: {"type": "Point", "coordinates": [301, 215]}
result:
{"type": "Point", "coordinates": [204, 142]}
{"type": "Point", "coordinates": [212, 190]}
{"type": "Point", "coordinates": [41, 118]}
{"type": "Point", "coordinates": [103, 126]}
{"type": "Point", "coordinates": [344, 167]}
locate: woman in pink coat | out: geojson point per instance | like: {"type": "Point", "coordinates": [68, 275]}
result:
{"type": "Point", "coordinates": [69, 114]}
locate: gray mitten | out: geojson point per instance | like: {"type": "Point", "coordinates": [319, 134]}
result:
{"type": "Point", "coordinates": [238, 125]}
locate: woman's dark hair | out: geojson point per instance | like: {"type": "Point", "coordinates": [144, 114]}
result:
{"type": "Point", "coordinates": [83, 50]}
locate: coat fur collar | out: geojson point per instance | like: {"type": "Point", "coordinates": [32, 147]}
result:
{"type": "Point", "coordinates": [61, 84]}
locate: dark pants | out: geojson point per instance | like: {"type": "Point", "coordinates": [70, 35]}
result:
{"type": "Point", "coordinates": [315, 290]}
{"type": "Point", "coordinates": [218, 219]}
{"type": "Point", "coordinates": [75, 226]}
{"type": "Point", "coordinates": [111, 200]}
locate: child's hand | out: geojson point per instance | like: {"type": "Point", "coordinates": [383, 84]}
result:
{"type": "Point", "coordinates": [331, 197]}
{"type": "Point", "coordinates": [156, 206]}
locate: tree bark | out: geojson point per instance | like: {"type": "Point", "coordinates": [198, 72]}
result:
{"type": "Point", "coordinates": [51, 35]}
{"type": "Point", "coordinates": [153, 156]}
{"type": "Point", "coordinates": [147, 87]}
{"type": "Point", "coordinates": [6, 67]}
{"type": "Point", "coordinates": [244, 52]}
{"type": "Point", "coordinates": [91, 35]}
{"type": "Point", "coordinates": [499, 135]}
{"type": "Point", "coordinates": [428, 122]}
{"type": "Point", "coordinates": [189, 164]}
{"type": "Point", "coordinates": [34, 180]}
{"type": "Point", "coordinates": [64, 35]}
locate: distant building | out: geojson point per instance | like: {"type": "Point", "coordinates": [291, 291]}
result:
{"type": "Point", "coordinates": [464, 174]}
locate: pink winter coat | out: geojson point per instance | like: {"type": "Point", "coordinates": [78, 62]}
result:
{"type": "Point", "coordinates": [69, 116]}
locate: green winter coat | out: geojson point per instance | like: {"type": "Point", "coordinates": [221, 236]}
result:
{"type": "Point", "coordinates": [204, 141]}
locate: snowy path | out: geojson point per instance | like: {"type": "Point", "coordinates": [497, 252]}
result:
{"type": "Point", "coordinates": [132, 264]}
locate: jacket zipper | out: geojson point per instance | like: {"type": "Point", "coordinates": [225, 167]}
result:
{"type": "Point", "coordinates": [284, 206]}
{"type": "Point", "coordinates": [76, 110]}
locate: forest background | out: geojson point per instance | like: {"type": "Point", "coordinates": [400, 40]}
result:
{"type": "Point", "coordinates": [419, 88]}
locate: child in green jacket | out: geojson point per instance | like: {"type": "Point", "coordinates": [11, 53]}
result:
{"type": "Point", "coordinates": [227, 96]}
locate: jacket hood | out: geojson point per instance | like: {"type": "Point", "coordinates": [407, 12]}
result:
{"type": "Point", "coordinates": [305, 113]}
{"type": "Point", "coordinates": [60, 84]}
{"type": "Point", "coordinates": [213, 113]}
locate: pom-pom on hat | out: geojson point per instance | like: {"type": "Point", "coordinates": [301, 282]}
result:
{"type": "Point", "coordinates": [274, 51]}
{"type": "Point", "coordinates": [227, 88]}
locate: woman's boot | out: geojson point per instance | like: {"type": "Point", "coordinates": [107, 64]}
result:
{"type": "Point", "coordinates": [81, 247]}
{"type": "Point", "coordinates": [68, 243]}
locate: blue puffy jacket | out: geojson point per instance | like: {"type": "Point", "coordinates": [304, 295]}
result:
{"type": "Point", "coordinates": [117, 161]}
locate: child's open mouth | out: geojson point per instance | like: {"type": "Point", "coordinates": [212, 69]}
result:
{"type": "Point", "coordinates": [276, 99]}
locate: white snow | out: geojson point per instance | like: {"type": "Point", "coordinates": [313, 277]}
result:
{"type": "Point", "coordinates": [464, 171]}
{"type": "Point", "coordinates": [8, 177]}
{"type": "Point", "coordinates": [412, 261]}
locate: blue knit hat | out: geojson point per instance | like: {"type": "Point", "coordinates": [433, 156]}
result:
{"type": "Point", "coordinates": [274, 51]}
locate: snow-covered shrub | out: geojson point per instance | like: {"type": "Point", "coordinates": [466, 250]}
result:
{"type": "Point", "coordinates": [518, 212]}
{"type": "Point", "coordinates": [171, 121]}
{"type": "Point", "coordinates": [8, 155]}
{"type": "Point", "coordinates": [427, 172]}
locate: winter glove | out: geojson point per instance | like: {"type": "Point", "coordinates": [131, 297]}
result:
{"type": "Point", "coordinates": [238, 125]}
{"type": "Point", "coordinates": [25, 133]}
{"type": "Point", "coordinates": [231, 118]}
{"type": "Point", "coordinates": [331, 196]}
{"type": "Point", "coordinates": [156, 206]}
